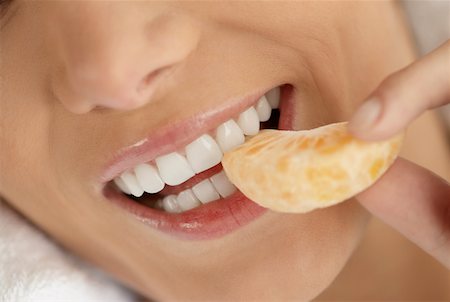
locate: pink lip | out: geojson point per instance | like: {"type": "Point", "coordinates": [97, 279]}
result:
{"type": "Point", "coordinates": [208, 221]}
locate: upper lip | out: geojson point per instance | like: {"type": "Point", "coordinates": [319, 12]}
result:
{"type": "Point", "coordinates": [174, 136]}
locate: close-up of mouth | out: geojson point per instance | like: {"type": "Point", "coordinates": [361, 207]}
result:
{"type": "Point", "coordinates": [173, 180]}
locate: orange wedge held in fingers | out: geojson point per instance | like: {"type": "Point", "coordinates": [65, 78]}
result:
{"type": "Point", "coordinates": [299, 171]}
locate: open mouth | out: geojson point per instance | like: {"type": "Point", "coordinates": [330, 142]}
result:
{"type": "Point", "coordinates": [178, 188]}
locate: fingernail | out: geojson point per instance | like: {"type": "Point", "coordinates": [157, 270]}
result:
{"type": "Point", "coordinates": [366, 115]}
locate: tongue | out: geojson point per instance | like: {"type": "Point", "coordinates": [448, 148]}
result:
{"type": "Point", "coordinates": [168, 190]}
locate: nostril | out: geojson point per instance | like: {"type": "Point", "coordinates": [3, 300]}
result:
{"type": "Point", "coordinates": [149, 80]}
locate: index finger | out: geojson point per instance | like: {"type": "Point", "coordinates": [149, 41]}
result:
{"type": "Point", "coordinates": [403, 96]}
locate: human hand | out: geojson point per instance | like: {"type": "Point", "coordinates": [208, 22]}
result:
{"type": "Point", "coordinates": [410, 198]}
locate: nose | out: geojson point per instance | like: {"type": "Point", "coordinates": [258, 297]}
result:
{"type": "Point", "coordinates": [117, 61]}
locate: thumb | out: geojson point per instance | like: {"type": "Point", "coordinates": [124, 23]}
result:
{"type": "Point", "coordinates": [416, 202]}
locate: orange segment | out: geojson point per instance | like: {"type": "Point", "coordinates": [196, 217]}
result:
{"type": "Point", "coordinates": [299, 171]}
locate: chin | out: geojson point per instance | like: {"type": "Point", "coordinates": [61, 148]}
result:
{"type": "Point", "coordinates": [280, 257]}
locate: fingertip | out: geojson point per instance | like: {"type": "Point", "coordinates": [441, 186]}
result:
{"type": "Point", "coordinates": [365, 118]}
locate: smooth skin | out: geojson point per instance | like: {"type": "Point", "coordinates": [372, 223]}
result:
{"type": "Point", "coordinates": [410, 198]}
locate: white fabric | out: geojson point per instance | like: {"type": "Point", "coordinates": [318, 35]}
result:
{"type": "Point", "coordinates": [34, 269]}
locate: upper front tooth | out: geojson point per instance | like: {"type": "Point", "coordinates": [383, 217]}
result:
{"type": "Point", "coordinates": [132, 184]}
{"type": "Point", "coordinates": [273, 97]}
{"type": "Point", "coordinates": [122, 186]}
{"type": "Point", "coordinates": [187, 200]}
{"type": "Point", "coordinates": [148, 177]}
{"type": "Point", "coordinates": [203, 153]}
{"type": "Point", "coordinates": [205, 191]}
{"type": "Point", "coordinates": [174, 168]}
{"type": "Point", "coordinates": [229, 135]}
{"type": "Point", "coordinates": [249, 121]}
{"type": "Point", "coordinates": [222, 184]}
{"type": "Point", "coordinates": [263, 108]}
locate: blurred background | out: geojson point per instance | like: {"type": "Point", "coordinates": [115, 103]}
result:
{"type": "Point", "coordinates": [430, 23]}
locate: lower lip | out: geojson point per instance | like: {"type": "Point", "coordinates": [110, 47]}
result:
{"type": "Point", "coordinates": [212, 220]}
{"type": "Point", "coordinates": [209, 221]}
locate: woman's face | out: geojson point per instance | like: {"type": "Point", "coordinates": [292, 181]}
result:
{"type": "Point", "coordinates": [93, 89]}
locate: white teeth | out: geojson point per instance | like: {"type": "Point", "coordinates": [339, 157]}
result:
{"type": "Point", "coordinates": [205, 191]}
{"type": "Point", "coordinates": [229, 135]}
{"type": "Point", "coordinates": [273, 97]}
{"type": "Point", "coordinates": [170, 204]}
{"type": "Point", "coordinates": [249, 121]}
{"type": "Point", "coordinates": [174, 168]}
{"type": "Point", "coordinates": [222, 184]}
{"type": "Point", "coordinates": [263, 109]}
{"type": "Point", "coordinates": [203, 153]}
{"type": "Point", "coordinates": [148, 178]}
{"type": "Point", "coordinates": [132, 184]}
{"type": "Point", "coordinates": [122, 186]}
{"type": "Point", "coordinates": [187, 200]}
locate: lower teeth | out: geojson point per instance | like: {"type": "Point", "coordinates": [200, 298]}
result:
{"type": "Point", "coordinates": [208, 190]}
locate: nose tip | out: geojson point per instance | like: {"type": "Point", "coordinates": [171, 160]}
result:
{"type": "Point", "coordinates": [123, 70]}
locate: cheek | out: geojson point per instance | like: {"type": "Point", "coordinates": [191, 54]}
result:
{"type": "Point", "coordinates": [24, 106]}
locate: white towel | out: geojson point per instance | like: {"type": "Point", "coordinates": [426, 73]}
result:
{"type": "Point", "coordinates": [34, 269]}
